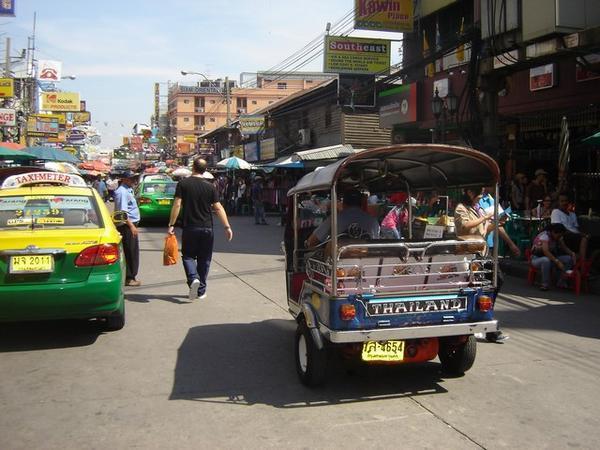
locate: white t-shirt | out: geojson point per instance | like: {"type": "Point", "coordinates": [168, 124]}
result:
{"type": "Point", "coordinates": [568, 220]}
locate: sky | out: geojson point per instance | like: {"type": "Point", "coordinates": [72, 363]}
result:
{"type": "Point", "coordinates": [118, 49]}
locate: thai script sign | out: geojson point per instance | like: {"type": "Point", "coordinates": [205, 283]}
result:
{"type": "Point", "coordinates": [356, 55]}
{"type": "Point", "coordinates": [7, 87]}
{"type": "Point", "coordinates": [251, 124]}
{"type": "Point", "coordinates": [384, 15]}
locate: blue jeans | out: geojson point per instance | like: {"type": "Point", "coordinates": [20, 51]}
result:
{"type": "Point", "coordinates": [259, 212]}
{"type": "Point", "coordinates": [390, 233]}
{"type": "Point", "coordinates": [197, 248]}
{"type": "Point", "coordinates": [544, 264]}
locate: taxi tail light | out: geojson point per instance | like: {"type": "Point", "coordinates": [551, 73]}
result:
{"type": "Point", "coordinates": [98, 255]}
{"type": "Point", "coordinates": [347, 312]}
{"type": "Point", "coordinates": [484, 303]}
{"type": "Point", "coordinates": [145, 200]}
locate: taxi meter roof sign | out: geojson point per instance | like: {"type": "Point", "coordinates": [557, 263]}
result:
{"type": "Point", "coordinates": [28, 179]}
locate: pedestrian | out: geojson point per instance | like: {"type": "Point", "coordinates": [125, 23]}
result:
{"type": "Point", "coordinates": [258, 202]}
{"type": "Point", "coordinates": [125, 201]}
{"type": "Point", "coordinates": [199, 198]}
{"type": "Point", "coordinates": [471, 220]}
{"type": "Point", "coordinates": [537, 189]}
{"type": "Point", "coordinates": [241, 195]}
{"type": "Point", "coordinates": [549, 251]}
{"type": "Point", "coordinates": [111, 185]}
{"type": "Point", "coordinates": [392, 223]}
{"type": "Point", "coordinates": [573, 237]}
{"type": "Point", "coordinates": [100, 186]}
{"type": "Point", "coordinates": [518, 192]}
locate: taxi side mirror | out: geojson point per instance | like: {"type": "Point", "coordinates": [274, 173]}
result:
{"type": "Point", "coordinates": [119, 217]}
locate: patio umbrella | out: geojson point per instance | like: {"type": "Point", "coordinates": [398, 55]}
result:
{"type": "Point", "coordinates": [594, 139]}
{"type": "Point", "coordinates": [234, 163]}
{"type": "Point", "coordinates": [563, 147]}
{"type": "Point", "coordinates": [51, 154]}
{"type": "Point", "coordinates": [7, 153]}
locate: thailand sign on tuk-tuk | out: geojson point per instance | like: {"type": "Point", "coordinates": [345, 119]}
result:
{"type": "Point", "coordinates": [388, 301]}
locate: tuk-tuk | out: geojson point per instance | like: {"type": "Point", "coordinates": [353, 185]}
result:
{"type": "Point", "coordinates": [389, 301]}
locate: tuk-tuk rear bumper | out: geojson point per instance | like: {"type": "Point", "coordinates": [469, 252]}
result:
{"type": "Point", "coordinates": [387, 334]}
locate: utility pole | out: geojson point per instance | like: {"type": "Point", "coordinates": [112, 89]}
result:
{"type": "Point", "coordinates": [227, 101]}
{"type": "Point", "coordinates": [7, 60]}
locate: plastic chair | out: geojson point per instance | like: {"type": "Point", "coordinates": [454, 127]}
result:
{"type": "Point", "coordinates": [532, 272]}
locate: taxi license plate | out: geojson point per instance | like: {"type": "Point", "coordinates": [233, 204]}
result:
{"type": "Point", "coordinates": [31, 264]}
{"type": "Point", "coordinates": [164, 202]}
{"type": "Point", "coordinates": [383, 351]}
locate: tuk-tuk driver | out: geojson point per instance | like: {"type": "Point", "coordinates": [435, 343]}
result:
{"type": "Point", "coordinates": [352, 220]}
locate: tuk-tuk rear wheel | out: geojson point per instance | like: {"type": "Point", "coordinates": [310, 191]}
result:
{"type": "Point", "coordinates": [457, 358]}
{"type": "Point", "coordinates": [311, 363]}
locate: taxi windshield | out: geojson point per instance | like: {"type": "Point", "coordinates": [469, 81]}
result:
{"type": "Point", "coordinates": [159, 188]}
{"type": "Point", "coordinates": [48, 212]}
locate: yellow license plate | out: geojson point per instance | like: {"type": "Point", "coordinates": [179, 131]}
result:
{"type": "Point", "coordinates": [31, 264]}
{"type": "Point", "coordinates": [164, 202]}
{"type": "Point", "coordinates": [383, 351]}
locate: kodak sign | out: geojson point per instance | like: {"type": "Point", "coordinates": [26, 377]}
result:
{"type": "Point", "coordinates": [60, 101]}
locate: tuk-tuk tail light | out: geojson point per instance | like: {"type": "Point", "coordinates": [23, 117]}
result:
{"type": "Point", "coordinates": [347, 311]}
{"type": "Point", "coordinates": [484, 303]}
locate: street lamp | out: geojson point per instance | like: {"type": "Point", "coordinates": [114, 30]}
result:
{"type": "Point", "coordinates": [442, 109]}
{"type": "Point", "coordinates": [189, 72]}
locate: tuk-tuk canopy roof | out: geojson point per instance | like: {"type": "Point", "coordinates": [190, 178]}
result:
{"type": "Point", "coordinates": [416, 166]}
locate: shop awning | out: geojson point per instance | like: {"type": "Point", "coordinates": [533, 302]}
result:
{"type": "Point", "coordinates": [285, 162]}
{"type": "Point", "coordinates": [331, 152]}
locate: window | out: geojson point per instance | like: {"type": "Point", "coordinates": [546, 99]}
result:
{"type": "Point", "coordinates": [281, 85]}
{"type": "Point", "coordinates": [212, 119]}
{"type": "Point", "coordinates": [254, 102]}
{"type": "Point", "coordinates": [186, 101]}
{"type": "Point", "coordinates": [212, 102]}
{"type": "Point", "coordinates": [49, 212]}
{"type": "Point", "coordinates": [309, 81]}
{"type": "Point", "coordinates": [186, 119]}
{"type": "Point", "coordinates": [270, 101]}
{"type": "Point", "coordinates": [242, 102]}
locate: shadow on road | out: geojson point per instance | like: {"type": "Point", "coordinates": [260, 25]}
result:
{"type": "Point", "coordinates": [556, 310]}
{"type": "Point", "coordinates": [147, 298]}
{"type": "Point", "coordinates": [246, 364]}
{"type": "Point", "coordinates": [45, 335]}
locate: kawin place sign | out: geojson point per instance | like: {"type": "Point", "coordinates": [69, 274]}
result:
{"type": "Point", "coordinates": [356, 55]}
{"type": "Point", "coordinates": [384, 15]}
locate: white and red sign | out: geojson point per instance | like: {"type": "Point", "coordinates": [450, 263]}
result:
{"type": "Point", "coordinates": [42, 178]}
{"type": "Point", "coordinates": [8, 117]}
{"type": "Point", "coordinates": [49, 70]}
{"type": "Point", "coordinates": [542, 77]}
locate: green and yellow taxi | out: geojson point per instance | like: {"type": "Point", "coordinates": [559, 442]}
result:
{"type": "Point", "coordinates": [154, 196]}
{"type": "Point", "coordinates": [60, 254]}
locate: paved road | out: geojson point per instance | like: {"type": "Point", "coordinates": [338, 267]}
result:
{"type": "Point", "coordinates": [220, 372]}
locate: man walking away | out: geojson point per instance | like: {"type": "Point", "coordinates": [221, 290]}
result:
{"type": "Point", "coordinates": [125, 201]}
{"type": "Point", "coordinates": [257, 201]}
{"type": "Point", "coordinates": [198, 198]}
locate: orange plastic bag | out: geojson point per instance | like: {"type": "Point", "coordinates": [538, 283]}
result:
{"type": "Point", "coordinates": [171, 251]}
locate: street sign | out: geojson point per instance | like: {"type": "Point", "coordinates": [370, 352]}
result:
{"type": "Point", "coordinates": [49, 70]}
{"type": "Point", "coordinates": [60, 101]}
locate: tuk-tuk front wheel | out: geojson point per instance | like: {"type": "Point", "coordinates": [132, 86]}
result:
{"type": "Point", "coordinates": [311, 363]}
{"type": "Point", "coordinates": [457, 357]}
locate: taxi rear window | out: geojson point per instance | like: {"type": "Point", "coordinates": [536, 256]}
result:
{"type": "Point", "coordinates": [160, 188]}
{"type": "Point", "coordinates": [49, 212]}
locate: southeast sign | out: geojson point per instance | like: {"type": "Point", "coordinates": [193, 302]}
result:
{"type": "Point", "coordinates": [356, 55]}
{"type": "Point", "coordinates": [384, 15]}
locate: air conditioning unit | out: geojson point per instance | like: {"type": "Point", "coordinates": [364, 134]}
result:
{"type": "Point", "coordinates": [199, 128]}
{"type": "Point", "coordinates": [304, 136]}
{"type": "Point", "coordinates": [199, 109]}
{"type": "Point", "coordinates": [241, 110]}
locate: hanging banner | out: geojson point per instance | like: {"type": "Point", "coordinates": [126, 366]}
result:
{"type": "Point", "coordinates": [49, 70]}
{"type": "Point", "coordinates": [384, 15]}
{"type": "Point", "coordinates": [7, 87]}
{"type": "Point", "coordinates": [267, 149]}
{"type": "Point", "coordinates": [7, 8]}
{"type": "Point", "coordinates": [60, 101]}
{"type": "Point", "coordinates": [251, 124]}
{"type": "Point", "coordinates": [356, 55]}
{"type": "Point", "coordinates": [251, 151]}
